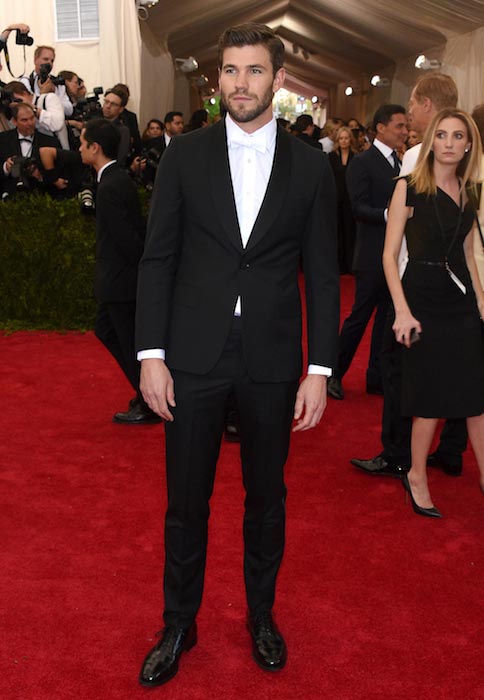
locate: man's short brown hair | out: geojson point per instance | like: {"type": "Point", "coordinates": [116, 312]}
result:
{"type": "Point", "coordinates": [19, 107]}
{"type": "Point", "coordinates": [39, 50]}
{"type": "Point", "coordinates": [439, 88]}
{"type": "Point", "coordinates": [252, 34]}
{"type": "Point", "coordinates": [122, 94]}
{"type": "Point", "coordinates": [16, 87]}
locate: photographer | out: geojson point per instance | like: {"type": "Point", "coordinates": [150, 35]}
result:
{"type": "Point", "coordinates": [4, 113]}
{"type": "Point", "coordinates": [19, 151]}
{"type": "Point", "coordinates": [47, 109]}
{"type": "Point", "coordinates": [75, 123]}
{"type": "Point", "coordinates": [22, 28]}
{"type": "Point", "coordinates": [115, 100]}
{"type": "Point", "coordinates": [40, 81]}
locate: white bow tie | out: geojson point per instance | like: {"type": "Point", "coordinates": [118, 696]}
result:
{"type": "Point", "coordinates": [256, 141]}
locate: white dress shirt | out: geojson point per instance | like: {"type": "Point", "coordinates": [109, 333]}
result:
{"type": "Point", "coordinates": [251, 157]}
{"type": "Point", "coordinates": [101, 170]}
{"type": "Point", "coordinates": [60, 92]}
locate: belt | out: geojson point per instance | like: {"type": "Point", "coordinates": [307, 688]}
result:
{"type": "Point", "coordinates": [437, 263]}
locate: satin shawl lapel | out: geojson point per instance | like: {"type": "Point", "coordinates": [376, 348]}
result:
{"type": "Point", "coordinates": [276, 188]}
{"type": "Point", "coordinates": [221, 183]}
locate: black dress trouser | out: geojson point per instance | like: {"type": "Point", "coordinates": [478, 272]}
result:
{"type": "Point", "coordinates": [192, 449]}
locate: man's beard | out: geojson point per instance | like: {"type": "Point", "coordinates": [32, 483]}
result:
{"type": "Point", "coordinates": [243, 115]}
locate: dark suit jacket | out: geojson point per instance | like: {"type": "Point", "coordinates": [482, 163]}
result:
{"type": "Point", "coordinates": [310, 141]}
{"type": "Point", "coordinates": [194, 266]}
{"type": "Point", "coordinates": [130, 120]}
{"type": "Point", "coordinates": [10, 146]}
{"type": "Point", "coordinates": [370, 180]}
{"type": "Point", "coordinates": [119, 236]}
{"type": "Point", "coordinates": [339, 172]}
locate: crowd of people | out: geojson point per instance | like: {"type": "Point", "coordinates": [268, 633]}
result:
{"type": "Point", "coordinates": [237, 211]}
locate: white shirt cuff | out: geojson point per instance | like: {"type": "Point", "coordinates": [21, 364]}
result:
{"type": "Point", "coordinates": [320, 369]}
{"type": "Point", "coordinates": [152, 354]}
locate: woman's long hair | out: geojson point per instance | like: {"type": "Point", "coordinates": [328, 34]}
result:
{"type": "Point", "coordinates": [342, 129]}
{"type": "Point", "coordinates": [468, 170]}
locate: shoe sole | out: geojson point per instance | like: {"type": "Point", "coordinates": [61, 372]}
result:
{"type": "Point", "coordinates": [378, 473]}
{"type": "Point", "coordinates": [271, 669]}
{"type": "Point", "coordinates": [143, 421]}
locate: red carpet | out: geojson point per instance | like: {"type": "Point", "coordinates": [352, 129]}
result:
{"type": "Point", "coordinates": [374, 601]}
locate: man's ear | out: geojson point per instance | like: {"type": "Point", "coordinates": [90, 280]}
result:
{"type": "Point", "coordinates": [426, 104]}
{"type": "Point", "coordinates": [279, 79]}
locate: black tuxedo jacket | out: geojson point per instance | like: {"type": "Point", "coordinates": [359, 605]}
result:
{"type": "Point", "coordinates": [194, 266]}
{"type": "Point", "coordinates": [119, 236]}
{"type": "Point", "coordinates": [370, 180]}
{"type": "Point", "coordinates": [10, 146]}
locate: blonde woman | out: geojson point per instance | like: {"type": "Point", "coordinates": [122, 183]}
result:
{"type": "Point", "coordinates": [439, 302]}
{"type": "Point", "coordinates": [343, 151]}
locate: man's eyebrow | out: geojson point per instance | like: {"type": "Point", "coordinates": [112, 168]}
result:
{"type": "Point", "coordinates": [251, 65]}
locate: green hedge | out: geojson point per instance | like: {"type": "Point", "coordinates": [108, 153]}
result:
{"type": "Point", "coordinates": [47, 253]}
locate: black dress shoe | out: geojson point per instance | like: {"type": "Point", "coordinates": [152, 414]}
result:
{"type": "Point", "coordinates": [335, 389]}
{"type": "Point", "coordinates": [436, 461]}
{"type": "Point", "coordinates": [138, 413]}
{"type": "Point", "coordinates": [232, 427]}
{"type": "Point", "coordinates": [268, 647]}
{"type": "Point", "coordinates": [379, 467]}
{"type": "Point", "coordinates": [161, 664]}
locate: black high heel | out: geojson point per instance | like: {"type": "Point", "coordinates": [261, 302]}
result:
{"type": "Point", "coordinates": [429, 512]}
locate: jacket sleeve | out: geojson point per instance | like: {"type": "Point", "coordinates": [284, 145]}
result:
{"type": "Point", "coordinates": [321, 272]}
{"type": "Point", "coordinates": [358, 180]}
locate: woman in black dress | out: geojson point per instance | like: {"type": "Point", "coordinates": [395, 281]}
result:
{"type": "Point", "coordinates": [344, 150]}
{"type": "Point", "coordinates": [439, 302]}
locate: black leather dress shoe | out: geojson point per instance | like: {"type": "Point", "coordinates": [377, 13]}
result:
{"type": "Point", "coordinates": [379, 467]}
{"type": "Point", "coordinates": [161, 664]}
{"type": "Point", "coordinates": [335, 389]}
{"type": "Point", "coordinates": [137, 414]}
{"type": "Point", "coordinates": [436, 461]}
{"type": "Point", "coordinates": [268, 647]}
{"type": "Point", "coordinates": [232, 427]}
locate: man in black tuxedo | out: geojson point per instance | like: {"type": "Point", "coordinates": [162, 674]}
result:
{"type": "Point", "coordinates": [235, 208]}
{"type": "Point", "coordinates": [23, 141]}
{"type": "Point", "coordinates": [370, 178]}
{"type": "Point", "coordinates": [119, 246]}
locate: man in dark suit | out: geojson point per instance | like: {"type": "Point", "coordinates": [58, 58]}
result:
{"type": "Point", "coordinates": [305, 129]}
{"type": "Point", "coordinates": [119, 246]}
{"type": "Point", "coordinates": [234, 209]}
{"type": "Point", "coordinates": [371, 179]}
{"type": "Point", "coordinates": [23, 141]}
{"type": "Point", "coordinates": [115, 101]}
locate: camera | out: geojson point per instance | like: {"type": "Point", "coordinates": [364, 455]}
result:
{"type": "Point", "coordinates": [22, 170]}
{"type": "Point", "coordinates": [44, 74]}
{"type": "Point", "coordinates": [6, 99]}
{"type": "Point", "coordinates": [23, 38]}
{"type": "Point", "coordinates": [90, 107]}
{"type": "Point", "coordinates": [152, 157]}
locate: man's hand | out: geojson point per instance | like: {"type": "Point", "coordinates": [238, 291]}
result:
{"type": "Point", "coordinates": [23, 28]}
{"type": "Point", "coordinates": [46, 87]}
{"type": "Point", "coordinates": [7, 166]}
{"type": "Point", "coordinates": [157, 387]}
{"type": "Point", "coordinates": [310, 402]}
